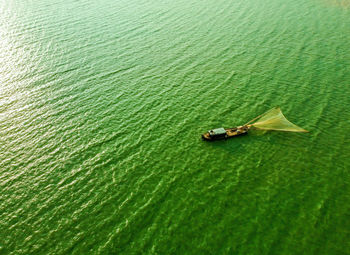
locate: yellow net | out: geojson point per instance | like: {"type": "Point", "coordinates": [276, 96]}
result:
{"type": "Point", "coordinates": [275, 120]}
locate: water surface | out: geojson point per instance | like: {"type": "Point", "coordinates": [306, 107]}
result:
{"type": "Point", "coordinates": [102, 104]}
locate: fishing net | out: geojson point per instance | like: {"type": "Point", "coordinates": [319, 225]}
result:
{"type": "Point", "coordinates": [275, 120]}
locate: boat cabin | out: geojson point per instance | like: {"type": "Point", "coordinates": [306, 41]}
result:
{"type": "Point", "coordinates": [217, 133]}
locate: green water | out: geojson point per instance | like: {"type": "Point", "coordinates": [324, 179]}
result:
{"type": "Point", "coordinates": [102, 104]}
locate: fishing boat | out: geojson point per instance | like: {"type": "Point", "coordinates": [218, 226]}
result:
{"type": "Point", "coordinates": [224, 133]}
{"type": "Point", "coordinates": [270, 120]}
